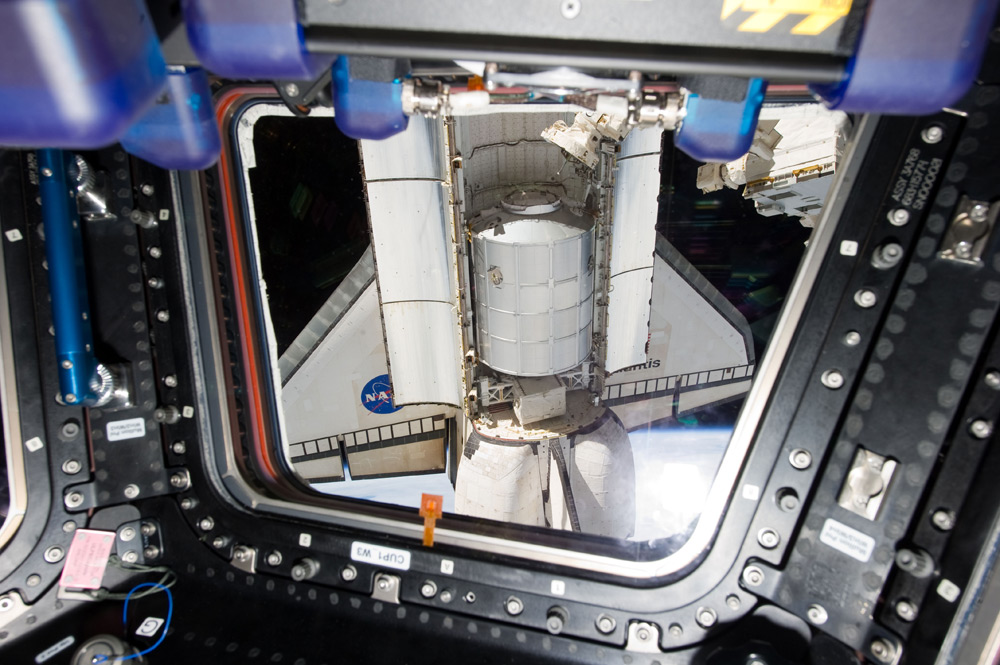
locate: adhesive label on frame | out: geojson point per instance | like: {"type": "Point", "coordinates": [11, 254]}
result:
{"type": "Point", "coordinates": [380, 556]}
{"type": "Point", "coordinates": [122, 430]}
{"type": "Point", "coordinates": [850, 541]}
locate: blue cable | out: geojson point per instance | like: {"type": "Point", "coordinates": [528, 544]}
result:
{"type": "Point", "coordinates": [166, 624]}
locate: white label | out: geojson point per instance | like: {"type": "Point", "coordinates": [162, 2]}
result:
{"type": "Point", "coordinates": [558, 587]}
{"type": "Point", "coordinates": [164, 214]}
{"type": "Point", "coordinates": [305, 540]}
{"type": "Point", "coordinates": [380, 556]}
{"type": "Point", "coordinates": [751, 492]}
{"type": "Point", "coordinates": [447, 566]}
{"type": "Point", "coordinates": [848, 248]}
{"type": "Point", "coordinates": [56, 648]}
{"type": "Point", "coordinates": [850, 541]}
{"type": "Point", "coordinates": [121, 430]}
{"type": "Point", "coordinates": [149, 627]}
{"type": "Point", "coordinates": [34, 444]}
{"type": "Point", "coordinates": [949, 590]}
{"type": "Point", "coordinates": [14, 235]}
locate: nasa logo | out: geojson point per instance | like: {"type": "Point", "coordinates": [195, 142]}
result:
{"type": "Point", "coordinates": [376, 396]}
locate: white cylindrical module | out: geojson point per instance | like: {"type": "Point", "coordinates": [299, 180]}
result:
{"type": "Point", "coordinates": [534, 282]}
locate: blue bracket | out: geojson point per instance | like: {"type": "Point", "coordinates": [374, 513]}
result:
{"type": "Point", "coordinates": [256, 39]}
{"type": "Point", "coordinates": [366, 108]}
{"type": "Point", "coordinates": [715, 130]}
{"type": "Point", "coordinates": [179, 131]}
{"type": "Point", "coordinates": [915, 56]}
{"type": "Point", "coordinates": [78, 371]}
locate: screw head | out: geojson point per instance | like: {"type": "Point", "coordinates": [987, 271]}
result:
{"type": "Point", "coordinates": [832, 379]}
{"type": "Point", "coordinates": [768, 538]}
{"type": "Point", "coordinates": [882, 650]}
{"type": "Point", "coordinates": [865, 298]}
{"type": "Point", "coordinates": [906, 610]}
{"type": "Point", "coordinates": [383, 584]}
{"type": "Point", "coordinates": [733, 602]}
{"type": "Point", "coordinates": [69, 526]}
{"type": "Point", "coordinates": [446, 596]}
{"type": "Point", "coordinates": [706, 617]}
{"type": "Point", "coordinates": [147, 529]}
{"type": "Point", "coordinates": [429, 589]}
{"type": "Point", "coordinates": [33, 580]}
{"type": "Point", "coordinates": [292, 90]}
{"type": "Point", "coordinates": [570, 8]}
{"type": "Point", "coordinates": [218, 542]}
{"type": "Point", "coordinates": [179, 480]}
{"type": "Point", "coordinates": [170, 380]}
{"type": "Point", "coordinates": [131, 491]}
{"type": "Point", "coordinates": [162, 316]}
{"type": "Point", "coordinates": [206, 524]}
{"type": "Point", "coordinates": [127, 534]}
{"type": "Point", "coordinates": [992, 379]}
{"type": "Point", "coordinates": [514, 606]}
{"type": "Point", "coordinates": [899, 217]}
{"type": "Point", "coordinates": [979, 213]}
{"type": "Point", "coordinates": [943, 519]}
{"type": "Point", "coordinates": [981, 429]}
{"type": "Point", "coordinates": [643, 634]}
{"type": "Point", "coordinates": [800, 459]}
{"type": "Point", "coordinates": [54, 554]}
{"type": "Point", "coordinates": [69, 398]}
{"type": "Point", "coordinates": [273, 558]}
{"type": "Point", "coordinates": [753, 576]}
{"type": "Point", "coordinates": [605, 624]}
{"type": "Point", "coordinates": [179, 447]}
{"type": "Point", "coordinates": [67, 364]}
{"type": "Point", "coordinates": [188, 502]}
{"type": "Point", "coordinates": [130, 557]}
{"type": "Point", "coordinates": [74, 500]}
{"type": "Point", "coordinates": [349, 573]}
{"type": "Point", "coordinates": [469, 597]}
{"type": "Point", "coordinates": [852, 338]}
{"type": "Point", "coordinates": [70, 428]}
{"type": "Point", "coordinates": [71, 467]}
{"type": "Point", "coordinates": [155, 252]}
{"type": "Point", "coordinates": [6, 604]}
{"type": "Point", "coordinates": [675, 630]}
{"type": "Point", "coordinates": [47, 172]}
{"type": "Point", "coordinates": [151, 552]}
{"type": "Point", "coordinates": [154, 283]}
{"type": "Point", "coordinates": [932, 134]}
{"type": "Point", "coordinates": [817, 614]}
{"type": "Point", "coordinates": [147, 189]}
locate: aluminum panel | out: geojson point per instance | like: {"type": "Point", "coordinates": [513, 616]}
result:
{"type": "Point", "coordinates": [425, 363]}
{"type": "Point", "coordinates": [628, 319]}
{"type": "Point", "coordinates": [633, 227]}
{"type": "Point", "coordinates": [412, 240]}
{"type": "Point", "coordinates": [417, 152]}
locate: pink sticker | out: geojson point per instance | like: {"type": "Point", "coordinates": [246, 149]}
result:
{"type": "Point", "coordinates": [87, 559]}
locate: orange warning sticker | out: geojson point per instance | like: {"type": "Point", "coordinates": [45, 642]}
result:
{"type": "Point", "coordinates": [765, 14]}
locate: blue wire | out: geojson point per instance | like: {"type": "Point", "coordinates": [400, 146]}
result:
{"type": "Point", "coordinates": [166, 624]}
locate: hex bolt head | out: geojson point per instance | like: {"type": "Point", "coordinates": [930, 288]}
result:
{"type": "Point", "coordinates": [992, 379]}
{"type": "Point", "coordinates": [932, 134]}
{"type": "Point", "coordinates": [127, 534]}
{"type": "Point", "coordinates": [882, 650]}
{"type": "Point", "coordinates": [943, 519]}
{"type": "Point", "coordinates": [605, 624]}
{"type": "Point", "coordinates": [469, 597]}
{"type": "Point", "coordinates": [349, 573]}
{"type": "Point", "coordinates": [906, 610]}
{"type": "Point", "coordinates": [151, 552]}
{"type": "Point", "coordinates": [179, 447]}
{"type": "Point", "coordinates": [981, 429]}
{"type": "Point", "coordinates": [899, 217]}
{"type": "Point", "coordinates": [54, 554]}
{"type": "Point", "coordinates": [753, 576]}
{"type": "Point", "coordinates": [130, 557]}
{"type": "Point", "coordinates": [832, 379]}
{"type": "Point", "coordinates": [817, 614]}
{"type": "Point", "coordinates": [768, 538]}
{"type": "Point", "coordinates": [800, 459]}
{"type": "Point", "coordinates": [428, 589]}
{"type": "Point", "coordinates": [865, 298]}
{"type": "Point", "coordinates": [131, 491]}
{"type": "Point", "coordinates": [852, 338]}
{"type": "Point", "coordinates": [206, 524]}
{"type": "Point", "coordinates": [706, 617]}
{"type": "Point", "coordinates": [273, 558]}
{"type": "Point", "coordinates": [71, 467]}
{"type": "Point", "coordinates": [170, 380]}
{"type": "Point", "coordinates": [74, 500]}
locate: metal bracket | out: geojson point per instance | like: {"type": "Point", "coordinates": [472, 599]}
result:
{"type": "Point", "coordinates": [11, 607]}
{"type": "Point", "coordinates": [643, 637]}
{"type": "Point", "coordinates": [245, 558]}
{"type": "Point", "coordinates": [969, 231]}
{"type": "Point", "coordinates": [386, 588]}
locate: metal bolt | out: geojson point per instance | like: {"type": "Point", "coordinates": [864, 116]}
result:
{"type": "Point", "coordinates": [992, 379]}
{"type": "Point", "coordinates": [273, 558]}
{"type": "Point", "coordinates": [768, 538]}
{"type": "Point", "coordinates": [643, 634]}
{"type": "Point", "coordinates": [556, 619]}
{"type": "Point", "coordinates": [570, 8]}
{"type": "Point", "coordinates": [865, 298]}
{"type": "Point", "coordinates": [70, 428]}
{"type": "Point", "coordinates": [943, 520]}
{"type": "Point", "coordinates": [852, 338]}
{"type": "Point", "coordinates": [74, 500]}
{"type": "Point", "coordinates": [47, 172]}
{"type": "Point", "coordinates": [54, 554]}
{"type": "Point", "coordinates": [179, 480]}
{"type": "Point", "coordinates": [219, 542]}
{"type": "Point", "coordinates": [446, 596]}
{"type": "Point", "coordinates": [753, 576]}
{"type": "Point", "coordinates": [151, 552]}
{"type": "Point", "coordinates": [963, 249]}
{"type": "Point", "coordinates": [69, 526]}
{"type": "Point", "coordinates": [127, 534]}
{"type": "Point", "coordinates": [428, 589]}
{"type": "Point", "coordinates": [899, 217]}
{"type": "Point", "coordinates": [6, 604]}
{"type": "Point", "coordinates": [832, 379]}
{"type": "Point", "coordinates": [188, 502]}
{"type": "Point", "coordinates": [800, 459]}
{"type": "Point", "coordinates": [605, 624]}
{"type": "Point", "coordinates": [130, 557]}
{"type": "Point", "coordinates": [143, 219]}
{"type": "Point", "coordinates": [206, 524]}
{"type": "Point", "coordinates": [881, 649]}
{"type": "Point", "coordinates": [981, 429]}
{"type": "Point", "coordinates": [906, 610]}
{"type": "Point", "coordinates": [932, 134]}
{"type": "Point", "coordinates": [154, 283]}
{"type": "Point", "coordinates": [170, 380]}
{"type": "Point", "coordinates": [147, 189]}
{"type": "Point", "coordinates": [706, 617]}
{"type": "Point", "coordinates": [979, 213]}
{"type": "Point", "coordinates": [179, 448]}
{"type": "Point", "coordinates": [69, 398]}
{"type": "Point", "coordinates": [292, 90]}
{"type": "Point", "coordinates": [887, 255]}
{"type": "Point", "coordinates": [383, 584]}
{"type": "Point", "coordinates": [155, 252]}
{"type": "Point", "coordinates": [167, 414]}
{"type": "Point", "coordinates": [733, 602]}
{"type": "Point", "coordinates": [817, 614]}
{"type": "Point", "coordinates": [147, 529]}
{"type": "Point", "coordinates": [67, 364]}
{"type": "Point", "coordinates": [162, 315]}
{"type": "Point", "coordinates": [71, 466]}
{"type": "Point", "coordinates": [489, 72]}
{"type": "Point", "coordinates": [131, 491]}
{"type": "Point", "coordinates": [242, 553]}
{"type": "Point", "coordinates": [675, 630]}
{"type": "Point", "coordinates": [349, 573]}
{"type": "Point", "coordinates": [33, 580]}
{"type": "Point", "coordinates": [469, 597]}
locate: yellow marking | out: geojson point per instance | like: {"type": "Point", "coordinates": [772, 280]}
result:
{"type": "Point", "coordinates": [819, 14]}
